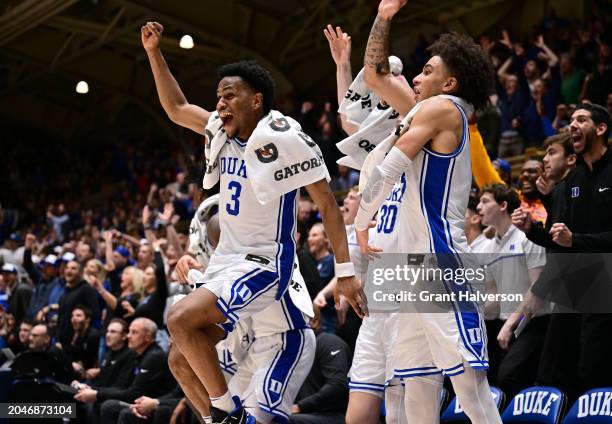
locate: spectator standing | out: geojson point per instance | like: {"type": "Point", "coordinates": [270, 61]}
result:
{"type": "Point", "coordinates": [145, 256]}
{"type": "Point", "coordinates": [116, 261]}
{"type": "Point", "coordinates": [77, 292]}
{"type": "Point", "coordinates": [59, 220]}
{"type": "Point", "coordinates": [529, 194]}
{"type": "Point", "coordinates": [130, 293]}
{"type": "Point", "coordinates": [571, 80]}
{"type": "Point", "coordinates": [514, 265]}
{"type": "Point", "coordinates": [84, 252]}
{"type": "Point", "coordinates": [318, 245]}
{"type": "Point", "coordinates": [45, 280]}
{"type": "Point", "coordinates": [12, 253]}
{"type": "Point", "coordinates": [578, 347]}
{"type": "Point", "coordinates": [20, 293]}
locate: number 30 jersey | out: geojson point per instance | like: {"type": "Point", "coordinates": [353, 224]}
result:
{"type": "Point", "coordinates": [389, 216]}
{"type": "Point", "coordinates": [247, 226]}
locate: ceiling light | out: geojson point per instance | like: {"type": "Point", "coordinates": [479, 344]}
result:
{"type": "Point", "coordinates": [186, 42]}
{"type": "Point", "coordinates": [82, 87]}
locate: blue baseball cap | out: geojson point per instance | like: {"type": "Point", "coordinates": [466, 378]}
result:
{"type": "Point", "coordinates": [503, 165]}
{"type": "Point", "coordinates": [15, 237]}
{"type": "Point", "coordinates": [123, 251]}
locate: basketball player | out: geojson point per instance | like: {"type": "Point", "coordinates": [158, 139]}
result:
{"type": "Point", "coordinates": [245, 356]}
{"type": "Point", "coordinates": [253, 263]}
{"type": "Point", "coordinates": [372, 358]}
{"type": "Point", "coordinates": [433, 152]}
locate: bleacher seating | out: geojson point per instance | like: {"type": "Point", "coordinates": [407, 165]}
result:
{"type": "Point", "coordinates": [593, 407]}
{"type": "Point", "coordinates": [539, 404]}
{"type": "Point", "coordinates": [455, 414]}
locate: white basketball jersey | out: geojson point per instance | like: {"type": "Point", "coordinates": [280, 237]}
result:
{"type": "Point", "coordinates": [247, 226]}
{"type": "Point", "coordinates": [390, 214]}
{"type": "Point", "coordinates": [438, 187]}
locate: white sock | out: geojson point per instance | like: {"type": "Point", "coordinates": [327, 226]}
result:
{"type": "Point", "coordinates": [207, 419]}
{"type": "Point", "coordinates": [223, 402]}
{"type": "Point", "coordinates": [422, 399]}
{"type": "Point", "coordinates": [394, 405]}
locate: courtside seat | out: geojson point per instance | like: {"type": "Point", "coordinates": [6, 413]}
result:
{"type": "Point", "coordinates": [454, 412]}
{"type": "Point", "coordinates": [539, 404]}
{"type": "Point", "coordinates": [593, 407]}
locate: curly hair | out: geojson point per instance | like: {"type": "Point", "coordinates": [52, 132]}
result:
{"type": "Point", "coordinates": [255, 75]}
{"type": "Point", "coordinates": [467, 62]}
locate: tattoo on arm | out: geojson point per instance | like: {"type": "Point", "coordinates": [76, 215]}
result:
{"type": "Point", "coordinates": [377, 50]}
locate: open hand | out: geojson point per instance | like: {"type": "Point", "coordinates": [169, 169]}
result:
{"type": "Point", "coordinates": [339, 44]}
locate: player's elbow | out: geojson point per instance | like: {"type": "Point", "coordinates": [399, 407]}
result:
{"type": "Point", "coordinates": [174, 114]}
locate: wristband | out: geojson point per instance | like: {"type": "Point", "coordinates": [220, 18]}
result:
{"type": "Point", "coordinates": [345, 269]}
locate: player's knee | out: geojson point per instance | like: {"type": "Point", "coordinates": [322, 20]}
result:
{"type": "Point", "coordinates": [362, 408]}
{"type": "Point", "coordinates": [355, 418]}
{"type": "Point", "coordinates": [179, 321]}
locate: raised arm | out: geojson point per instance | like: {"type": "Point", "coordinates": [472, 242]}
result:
{"type": "Point", "coordinates": [377, 71]}
{"type": "Point", "coordinates": [340, 48]}
{"type": "Point", "coordinates": [170, 95]}
{"type": "Point", "coordinates": [502, 72]}
{"type": "Point", "coordinates": [109, 266]}
{"type": "Point", "coordinates": [551, 58]}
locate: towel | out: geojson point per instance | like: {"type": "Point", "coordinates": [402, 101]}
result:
{"type": "Point", "coordinates": [279, 156]}
{"type": "Point", "coordinates": [362, 107]}
{"type": "Point", "coordinates": [359, 100]}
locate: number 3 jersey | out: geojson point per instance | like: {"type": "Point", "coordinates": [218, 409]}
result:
{"type": "Point", "coordinates": [247, 226]}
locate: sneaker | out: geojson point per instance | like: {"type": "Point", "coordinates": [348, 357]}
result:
{"type": "Point", "coordinates": [238, 416]}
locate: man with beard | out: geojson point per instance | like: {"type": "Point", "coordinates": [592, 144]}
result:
{"type": "Point", "coordinates": [578, 345]}
{"type": "Point", "coordinates": [83, 349]}
{"type": "Point", "coordinates": [529, 195]}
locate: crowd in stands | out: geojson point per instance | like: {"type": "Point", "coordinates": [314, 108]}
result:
{"type": "Point", "coordinates": [90, 236]}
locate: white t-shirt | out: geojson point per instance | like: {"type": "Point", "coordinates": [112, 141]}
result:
{"type": "Point", "coordinates": [509, 258]}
